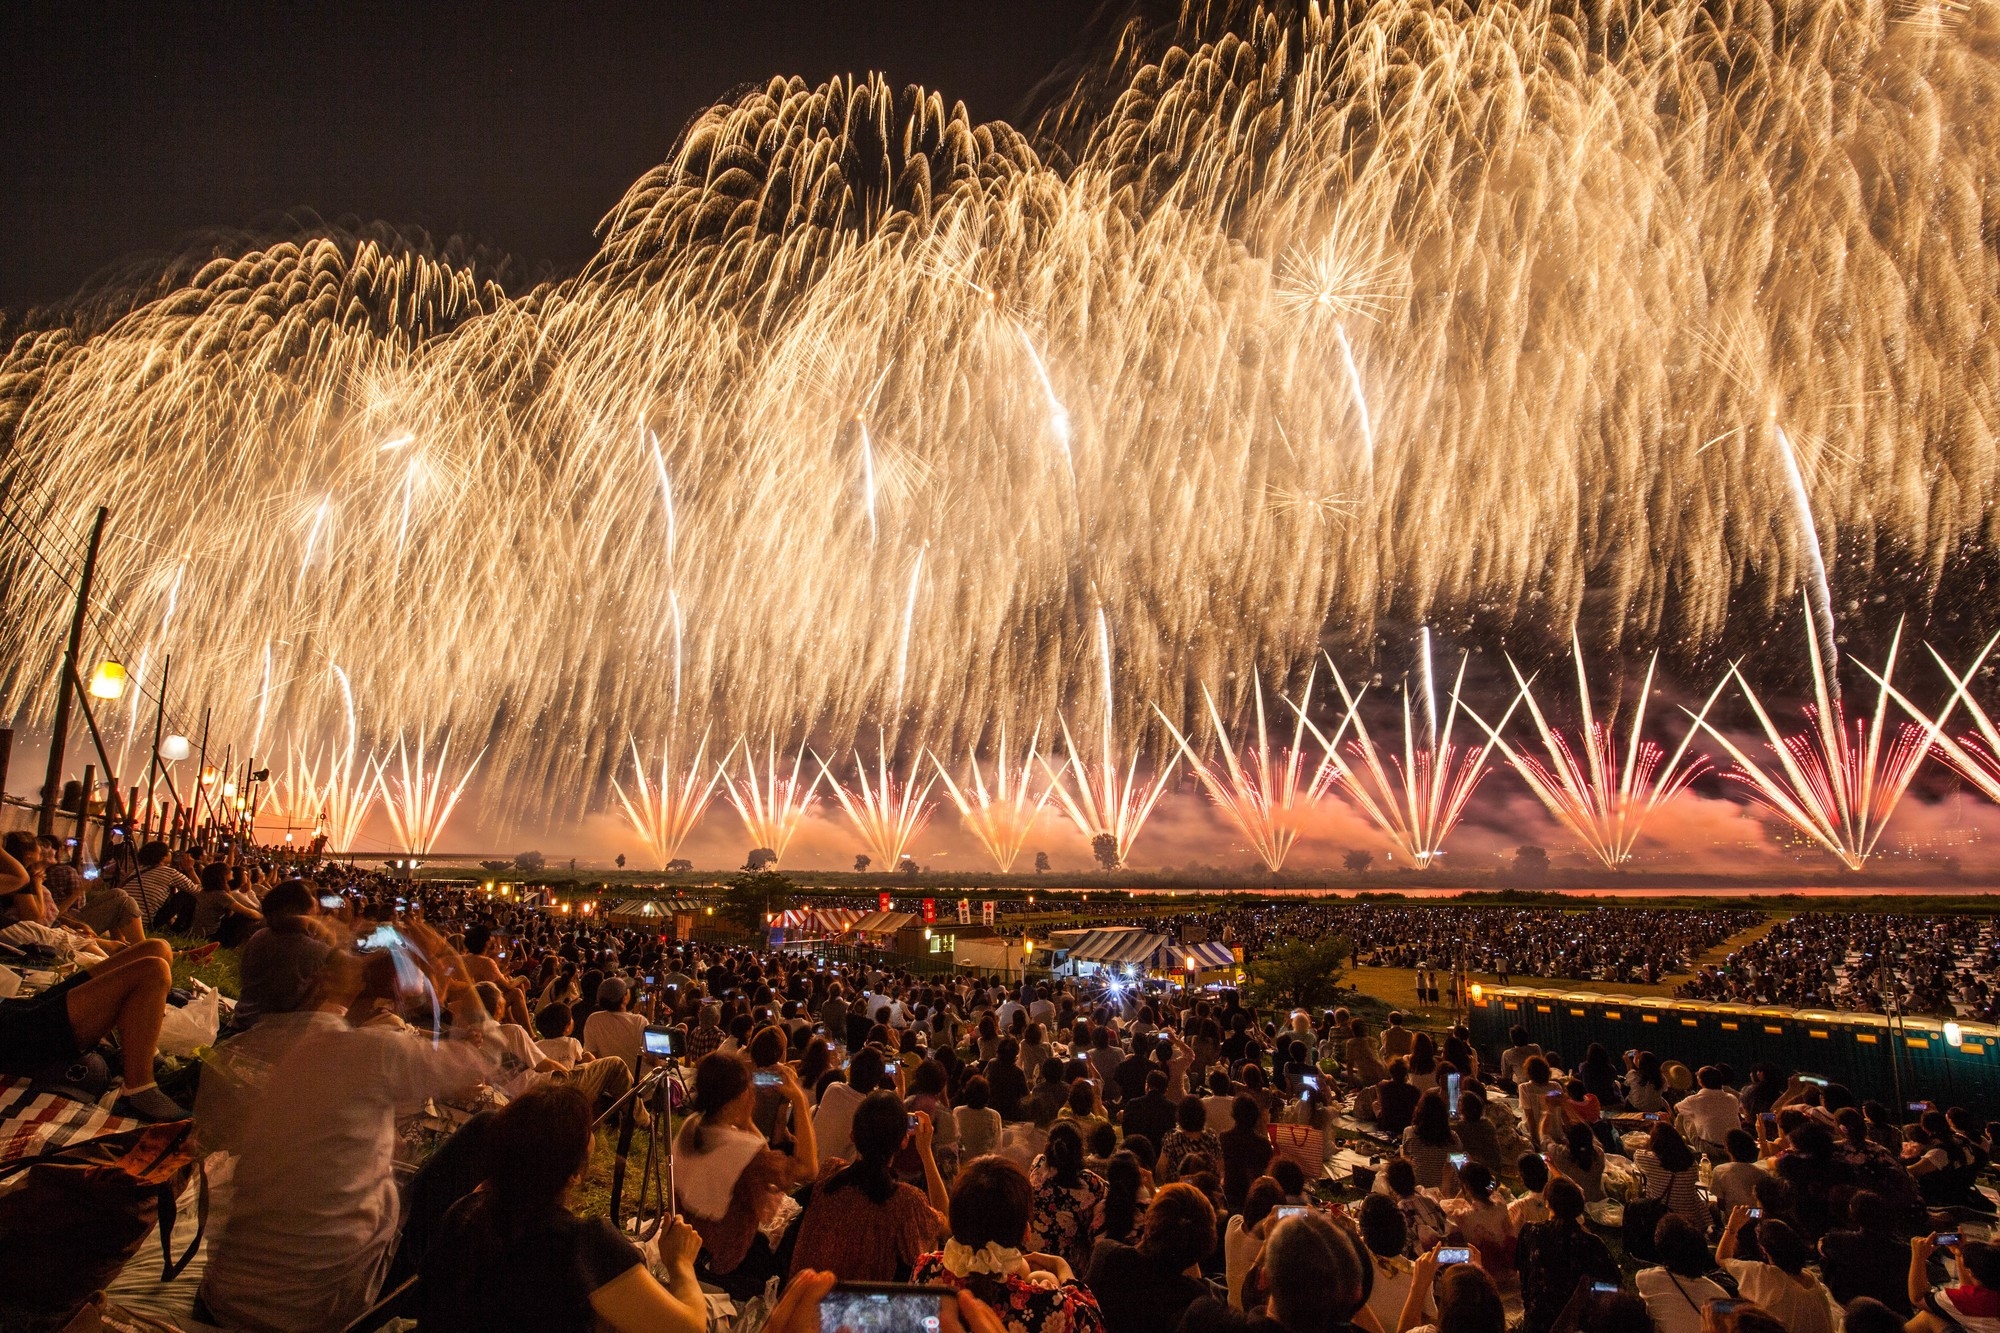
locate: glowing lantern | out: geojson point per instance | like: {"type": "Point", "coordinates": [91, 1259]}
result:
{"type": "Point", "coordinates": [174, 748]}
{"type": "Point", "coordinates": [108, 681]}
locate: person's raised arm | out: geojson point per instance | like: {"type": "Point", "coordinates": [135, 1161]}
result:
{"type": "Point", "coordinates": [1421, 1279]}
{"type": "Point", "coordinates": [933, 1178]}
{"type": "Point", "coordinates": [805, 1143]}
{"type": "Point", "coordinates": [1920, 1271]}
{"type": "Point", "coordinates": [1739, 1217]}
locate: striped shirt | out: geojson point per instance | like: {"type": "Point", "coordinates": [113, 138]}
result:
{"type": "Point", "coordinates": [151, 888]}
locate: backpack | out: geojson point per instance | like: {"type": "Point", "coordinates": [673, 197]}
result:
{"type": "Point", "coordinates": [81, 1211]}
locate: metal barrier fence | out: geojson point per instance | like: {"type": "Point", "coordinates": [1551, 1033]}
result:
{"type": "Point", "coordinates": [1892, 1060]}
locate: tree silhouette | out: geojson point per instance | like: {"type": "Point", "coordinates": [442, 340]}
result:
{"type": "Point", "coordinates": [679, 866]}
{"type": "Point", "coordinates": [1105, 848]}
{"type": "Point", "coordinates": [861, 865]}
{"type": "Point", "coordinates": [530, 861]}
{"type": "Point", "coordinates": [1531, 863]}
{"type": "Point", "coordinates": [1357, 861]}
{"type": "Point", "coordinates": [759, 859]}
{"type": "Point", "coordinates": [621, 860]}
{"type": "Point", "coordinates": [907, 866]}
{"type": "Point", "coordinates": [1041, 863]}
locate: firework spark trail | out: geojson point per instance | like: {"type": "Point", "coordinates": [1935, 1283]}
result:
{"type": "Point", "coordinates": [772, 802]}
{"type": "Point", "coordinates": [1270, 800]}
{"type": "Point", "coordinates": [420, 802]}
{"type": "Point", "coordinates": [1976, 756]}
{"type": "Point", "coordinates": [663, 815]}
{"type": "Point", "coordinates": [1822, 613]}
{"type": "Point", "coordinates": [887, 811]}
{"type": "Point", "coordinates": [1685, 178]}
{"type": "Point", "coordinates": [1603, 800]}
{"type": "Point", "coordinates": [1836, 787]}
{"type": "Point", "coordinates": [1000, 815]}
{"type": "Point", "coordinates": [1417, 807]}
{"type": "Point", "coordinates": [337, 802]}
{"type": "Point", "coordinates": [1103, 797]}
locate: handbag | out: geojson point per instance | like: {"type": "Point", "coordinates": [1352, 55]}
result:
{"type": "Point", "coordinates": [79, 1212]}
{"type": "Point", "coordinates": [1642, 1218]}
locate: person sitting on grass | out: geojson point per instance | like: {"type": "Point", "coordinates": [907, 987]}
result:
{"type": "Point", "coordinates": [125, 994]}
{"type": "Point", "coordinates": [991, 1204]}
{"type": "Point", "coordinates": [860, 1222]}
{"type": "Point", "coordinates": [512, 1256]}
{"type": "Point", "coordinates": [1973, 1305]}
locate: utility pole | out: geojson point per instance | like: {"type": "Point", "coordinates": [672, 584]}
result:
{"type": "Point", "coordinates": [59, 738]}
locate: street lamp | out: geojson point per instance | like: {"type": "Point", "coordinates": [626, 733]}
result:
{"type": "Point", "coordinates": [108, 681]}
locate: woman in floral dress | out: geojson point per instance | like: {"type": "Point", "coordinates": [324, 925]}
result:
{"type": "Point", "coordinates": [1067, 1198]}
{"type": "Point", "coordinates": [988, 1255]}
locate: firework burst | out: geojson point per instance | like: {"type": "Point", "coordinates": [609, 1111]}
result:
{"type": "Point", "coordinates": [1103, 797]}
{"type": "Point", "coordinates": [1417, 798]}
{"type": "Point", "coordinates": [1976, 755]}
{"type": "Point", "coordinates": [999, 814]}
{"type": "Point", "coordinates": [663, 815]}
{"type": "Point", "coordinates": [1270, 798]}
{"type": "Point", "coordinates": [886, 810]}
{"type": "Point", "coordinates": [421, 798]}
{"type": "Point", "coordinates": [1837, 782]}
{"type": "Point", "coordinates": [772, 802]}
{"type": "Point", "coordinates": [1602, 799]}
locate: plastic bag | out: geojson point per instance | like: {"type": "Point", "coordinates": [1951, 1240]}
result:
{"type": "Point", "coordinates": [185, 1030]}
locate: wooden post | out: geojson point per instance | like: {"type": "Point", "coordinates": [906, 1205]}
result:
{"type": "Point", "coordinates": [83, 814]}
{"type": "Point", "coordinates": [59, 735]}
{"type": "Point", "coordinates": [6, 755]}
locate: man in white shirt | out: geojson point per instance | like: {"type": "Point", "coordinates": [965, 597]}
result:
{"type": "Point", "coordinates": [612, 1028]}
{"type": "Point", "coordinates": [1706, 1116]}
{"type": "Point", "coordinates": [314, 1218]}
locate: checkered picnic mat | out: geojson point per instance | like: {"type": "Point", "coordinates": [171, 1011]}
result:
{"type": "Point", "coordinates": [33, 1123]}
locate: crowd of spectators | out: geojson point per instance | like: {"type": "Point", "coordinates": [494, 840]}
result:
{"type": "Point", "coordinates": [1055, 1157]}
{"type": "Point", "coordinates": [1865, 961]}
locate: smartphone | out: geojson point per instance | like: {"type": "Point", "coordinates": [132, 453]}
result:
{"type": "Point", "coordinates": [1285, 1210]}
{"type": "Point", "coordinates": [1451, 1083]}
{"type": "Point", "coordinates": [913, 1122]}
{"type": "Point", "coordinates": [1945, 1240]}
{"type": "Point", "coordinates": [90, 872]}
{"type": "Point", "coordinates": [1454, 1254]}
{"type": "Point", "coordinates": [1555, 1094]}
{"type": "Point", "coordinates": [664, 1042]}
{"type": "Point", "coordinates": [1770, 1119]}
{"type": "Point", "coordinates": [1310, 1082]}
{"type": "Point", "coordinates": [1459, 1159]}
{"type": "Point", "coordinates": [1918, 1108]}
{"type": "Point", "coordinates": [1756, 1214]}
{"type": "Point", "coordinates": [1726, 1307]}
{"type": "Point", "coordinates": [1813, 1079]}
{"type": "Point", "coordinates": [819, 1029]}
{"type": "Point", "coordinates": [1651, 1117]}
{"type": "Point", "coordinates": [652, 980]}
{"type": "Point", "coordinates": [1605, 1288]}
{"type": "Point", "coordinates": [766, 1078]}
{"type": "Point", "coordinates": [889, 1068]}
{"type": "Point", "coordinates": [332, 902]}
{"type": "Point", "coordinates": [869, 1307]}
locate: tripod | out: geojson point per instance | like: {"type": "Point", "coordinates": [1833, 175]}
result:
{"type": "Point", "coordinates": [656, 1172]}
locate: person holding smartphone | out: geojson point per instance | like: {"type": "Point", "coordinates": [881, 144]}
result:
{"type": "Point", "coordinates": [512, 1255]}
{"type": "Point", "coordinates": [860, 1222]}
{"type": "Point", "coordinates": [728, 1181]}
{"type": "Point", "coordinates": [1467, 1301]}
{"type": "Point", "coordinates": [1973, 1304]}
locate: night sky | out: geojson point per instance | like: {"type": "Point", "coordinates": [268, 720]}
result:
{"type": "Point", "coordinates": [130, 127]}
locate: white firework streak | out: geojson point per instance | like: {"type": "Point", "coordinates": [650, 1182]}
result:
{"type": "Point", "coordinates": [887, 811]}
{"type": "Point", "coordinates": [999, 815]}
{"type": "Point", "coordinates": [771, 804]}
{"type": "Point", "coordinates": [663, 815]}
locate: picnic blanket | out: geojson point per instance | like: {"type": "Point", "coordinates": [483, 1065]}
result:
{"type": "Point", "coordinates": [33, 1123]}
